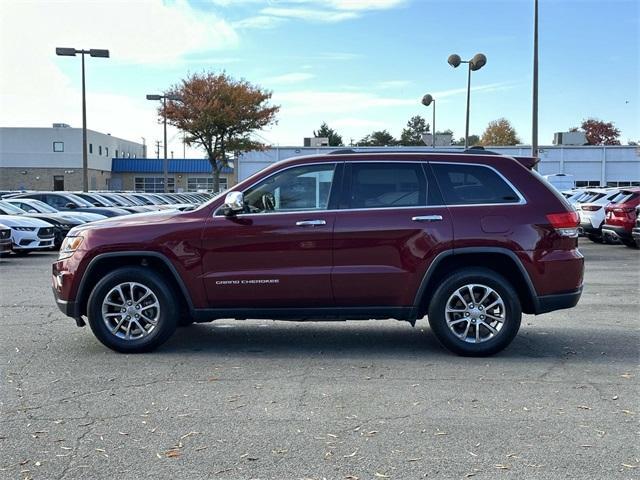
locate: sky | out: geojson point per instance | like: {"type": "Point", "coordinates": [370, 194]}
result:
{"type": "Point", "coordinates": [359, 65]}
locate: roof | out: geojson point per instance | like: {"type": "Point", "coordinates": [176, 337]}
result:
{"type": "Point", "coordinates": [153, 165]}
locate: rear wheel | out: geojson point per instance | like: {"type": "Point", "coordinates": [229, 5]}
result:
{"type": "Point", "coordinates": [132, 310]}
{"type": "Point", "coordinates": [595, 238]}
{"type": "Point", "coordinates": [475, 312]}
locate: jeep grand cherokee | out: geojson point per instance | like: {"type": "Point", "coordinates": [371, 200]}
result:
{"type": "Point", "coordinates": [471, 240]}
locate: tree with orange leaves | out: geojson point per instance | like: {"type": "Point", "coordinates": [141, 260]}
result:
{"type": "Point", "coordinates": [219, 113]}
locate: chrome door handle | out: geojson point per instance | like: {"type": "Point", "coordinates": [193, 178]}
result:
{"type": "Point", "coordinates": [310, 223]}
{"type": "Point", "coordinates": [427, 218]}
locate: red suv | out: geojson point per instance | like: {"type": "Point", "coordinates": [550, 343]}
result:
{"type": "Point", "coordinates": [620, 216]}
{"type": "Point", "coordinates": [471, 240]}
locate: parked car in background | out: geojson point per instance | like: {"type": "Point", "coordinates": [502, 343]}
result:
{"type": "Point", "coordinates": [472, 240]}
{"type": "Point", "coordinates": [590, 207]}
{"type": "Point", "coordinates": [621, 216]}
{"type": "Point", "coordinates": [61, 225]}
{"type": "Point", "coordinates": [36, 206]}
{"type": "Point", "coordinates": [635, 233]}
{"type": "Point", "coordinates": [574, 195]}
{"type": "Point", "coordinates": [561, 181]}
{"type": "Point", "coordinates": [5, 239]}
{"type": "Point", "coordinates": [65, 201]}
{"type": "Point", "coordinates": [106, 200]}
{"type": "Point", "coordinates": [28, 234]}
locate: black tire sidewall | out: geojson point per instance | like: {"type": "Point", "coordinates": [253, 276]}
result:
{"type": "Point", "coordinates": [513, 314]}
{"type": "Point", "coordinates": [168, 310]}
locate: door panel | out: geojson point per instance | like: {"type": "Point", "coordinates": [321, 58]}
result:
{"type": "Point", "coordinates": [278, 253]}
{"type": "Point", "coordinates": [267, 260]}
{"type": "Point", "coordinates": [386, 235]}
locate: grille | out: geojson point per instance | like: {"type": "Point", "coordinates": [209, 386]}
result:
{"type": "Point", "coordinates": [4, 234]}
{"type": "Point", "coordinates": [45, 232]}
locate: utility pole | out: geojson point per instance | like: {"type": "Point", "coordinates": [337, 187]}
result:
{"type": "Point", "coordinates": [158, 143]}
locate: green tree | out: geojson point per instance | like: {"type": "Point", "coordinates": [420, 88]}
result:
{"type": "Point", "coordinates": [335, 140]}
{"type": "Point", "coordinates": [499, 132]}
{"type": "Point", "coordinates": [412, 134]}
{"type": "Point", "coordinates": [380, 138]}
{"type": "Point", "coordinates": [473, 140]}
{"type": "Point", "coordinates": [219, 113]}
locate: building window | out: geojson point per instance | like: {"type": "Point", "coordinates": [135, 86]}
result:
{"type": "Point", "coordinates": [204, 184]}
{"type": "Point", "coordinates": [623, 184]}
{"type": "Point", "coordinates": [58, 146]}
{"type": "Point", "coordinates": [587, 183]}
{"type": "Point", "coordinates": [116, 153]}
{"type": "Point", "coordinates": [91, 148]}
{"type": "Point", "coordinates": [153, 184]}
{"type": "Point", "coordinates": [99, 149]}
{"type": "Point", "coordinates": [106, 151]}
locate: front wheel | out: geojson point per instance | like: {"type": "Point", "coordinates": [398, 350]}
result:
{"type": "Point", "coordinates": [475, 312]}
{"type": "Point", "coordinates": [132, 310]}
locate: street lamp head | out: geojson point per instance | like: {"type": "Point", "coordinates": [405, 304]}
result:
{"type": "Point", "coordinates": [66, 52]}
{"type": "Point", "coordinates": [94, 52]}
{"type": "Point", "coordinates": [427, 99]}
{"type": "Point", "coordinates": [478, 61]}
{"type": "Point", "coordinates": [454, 60]}
{"type": "Point", "coordinates": [154, 97]}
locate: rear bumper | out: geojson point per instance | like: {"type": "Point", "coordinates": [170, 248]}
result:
{"type": "Point", "coordinates": [589, 229]}
{"type": "Point", "coordinates": [617, 231]}
{"type": "Point", "coordinates": [559, 301]}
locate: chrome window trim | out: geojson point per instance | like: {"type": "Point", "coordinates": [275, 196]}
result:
{"type": "Point", "coordinates": [521, 201]}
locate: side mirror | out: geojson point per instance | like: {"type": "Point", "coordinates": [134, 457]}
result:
{"type": "Point", "coordinates": [70, 205]}
{"type": "Point", "coordinates": [233, 203]}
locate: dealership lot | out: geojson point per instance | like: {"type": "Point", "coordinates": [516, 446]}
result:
{"type": "Point", "coordinates": [366, 400]}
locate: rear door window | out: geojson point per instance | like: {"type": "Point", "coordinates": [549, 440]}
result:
{"type": "Point", "coordinates": [386, 185]}
{"type": "Point", "coordinates": [463, 184]}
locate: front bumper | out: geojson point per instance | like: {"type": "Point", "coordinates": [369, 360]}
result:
{"type": "Point", "coordinates": [69, 308]}
{"type": "Point", "coordinates": [559, 301]}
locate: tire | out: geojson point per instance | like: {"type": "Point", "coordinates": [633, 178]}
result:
{"type": "Point", "coordinates": [140, 281]}
{"type": "Point", "coordinates": [595, 238]}
{"type": "Point", "coordinates": [22, 253]}
{"type": "Point", "coordinates": [482, 281]}
{"type": "Point", "coordinates": [631, 244]}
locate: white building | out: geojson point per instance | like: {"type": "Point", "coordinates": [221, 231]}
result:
{"type": "Point", "coordinates": [589, 165]}
{"type": "Point", "coordinates": [51, 158]}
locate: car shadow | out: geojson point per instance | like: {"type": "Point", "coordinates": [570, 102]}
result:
{"type": "Point", "coordinates": [365, 339]}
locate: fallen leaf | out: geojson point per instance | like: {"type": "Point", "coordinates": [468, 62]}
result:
{"type": "Point", "coordinates": [173, 453]}
{"type": "Point", "coordinates": [381, 475]}
{"type": "Point", "coordinates": [502, 467]}
{"type": "Point", "coordinates": [351, 454]}
{"type": "Point", "coordinates": [584, 407]}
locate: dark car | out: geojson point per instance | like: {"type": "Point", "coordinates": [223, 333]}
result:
{"type": "Point", "coordinates": [621, 217]}
{"type": "Point", "coordinates": [635, 232]}
{"type": "Point", "coordinates": [64, 201]}
{"type": "Point", "coordinates": [107, 200]}
{"type": "Point", "coordinates": [471, 240]}
{"type": "Point", "coordinates": [61, 224]}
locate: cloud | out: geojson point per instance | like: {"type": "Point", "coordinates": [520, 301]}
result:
{"type": "Point", "coordinates": [142, 31]}
{"type": "Point", "coordinates": [258, 22]}
{"type": "Point", "coordinates": [311, 102]}
{"type": "Point", "coordinates": [393, 84]}
{"type": "Point", "coordinates": [312, 14]}
{"type": "Point", "coordinates": [358, 123]}
{"type": "Point", "coordinates": [290, 78]}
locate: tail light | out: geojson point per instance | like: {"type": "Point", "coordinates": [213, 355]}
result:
{"type": "Point", "coordinates": [591, 208]}
{"type": "Point", "coordinates": [565, 223]}
{"type": "Point", "coordinates": [623, 209]}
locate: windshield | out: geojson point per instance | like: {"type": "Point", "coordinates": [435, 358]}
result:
{"type": "Point", "coordinates": [41, 206]}
{"type": "Point", "coordinates": [79, 201]}
{"type": "Point", "coordinates": [9, 209]}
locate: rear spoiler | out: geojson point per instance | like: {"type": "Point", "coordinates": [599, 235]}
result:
{"type": "Point", "coordinates": [527, 162]}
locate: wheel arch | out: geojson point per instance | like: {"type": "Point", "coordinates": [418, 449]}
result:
{"type": "Point", "coordinates": [500, 260]}
{"type": "Point", "coordinates": [108, 262]}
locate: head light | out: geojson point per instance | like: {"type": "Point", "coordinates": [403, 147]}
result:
{"type": "Point", "coordinates": [69, 246]}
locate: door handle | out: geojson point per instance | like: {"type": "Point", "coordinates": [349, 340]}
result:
{"type": "Point", "coordinates": [427, 218]}
{"type": "Point", "coordinates": [310, 223]}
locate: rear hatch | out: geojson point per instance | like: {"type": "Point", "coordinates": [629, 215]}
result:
{"type": "Point", "coordinates": [621, 212]}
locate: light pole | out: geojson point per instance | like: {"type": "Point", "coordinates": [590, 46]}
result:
{"type": "Point", "coordinates": [534, 109]}
{"type": "Point", "coordinates": [426, 101]}
{"type": "Point", "coordinates": [71, 52]}
{"type": "Point", "coordinates": [478, 61]}
{"type": "Point", "coordinates": [165, 163]}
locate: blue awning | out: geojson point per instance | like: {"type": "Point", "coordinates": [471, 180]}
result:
{"type": "Point", "coordinates": [154, 165]}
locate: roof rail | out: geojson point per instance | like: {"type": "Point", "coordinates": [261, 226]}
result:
{"type": "Point", "coordinates": [472, 151]}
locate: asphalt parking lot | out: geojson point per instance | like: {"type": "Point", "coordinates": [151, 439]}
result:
{"type": "Point", "coordinates": [343, 400]}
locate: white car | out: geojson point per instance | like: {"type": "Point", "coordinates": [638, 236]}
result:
{"type": "Point", "coordinates": [36, 206]}
{"type": "Point", "coordinates": [590, 207]}
{"type": "Point", "coordinates": [574, 195]}
{"type": "Point", "coordinates": [29, 234]}
{"type": "Point", "coordinates": [5, 239]}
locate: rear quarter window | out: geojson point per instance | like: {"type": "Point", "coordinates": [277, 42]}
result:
{"type": "Point", "coordinates": [463, 184]}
